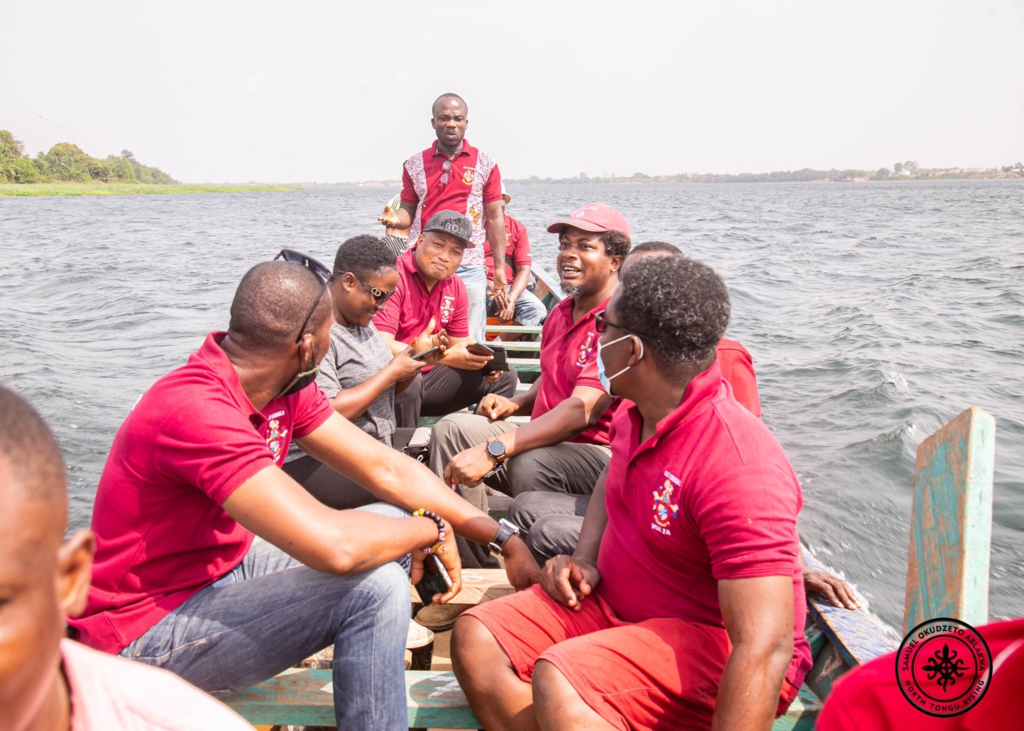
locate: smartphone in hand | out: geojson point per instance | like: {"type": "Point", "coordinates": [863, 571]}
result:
{"type": "Point", "coordinates": [480, 349]}
{"type": "Point", "coordinates": [425, 353]}
{"type": "Point", "coordinates": [435, 580]}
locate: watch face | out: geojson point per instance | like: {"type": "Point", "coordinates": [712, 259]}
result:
{"type": "Point", "coordinates": [496, 448]}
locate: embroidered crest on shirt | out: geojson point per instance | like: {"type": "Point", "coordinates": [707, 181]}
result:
{"type": "Point", "coordinates": [275, 438]}
{"type": "Point", "coordinates": [585, 350]}
{"type": "Point", "coordinates": [468, 175]}
{"type": "Point", "coordinates": [447, 309]}
{"type": "Point", "coordinates": [663, 507]}
{"type": "Point", "coordinates": [476, 215]}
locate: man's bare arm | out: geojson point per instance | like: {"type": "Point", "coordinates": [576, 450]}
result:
{"type": "Point", "coordinates": [594, 523]}
{"type": "Point", "coordinates": [758, 616]}
{"type": "Point", "coordinates": [494, 224]}
{"type": "Point", "coordinates": [573, 416]}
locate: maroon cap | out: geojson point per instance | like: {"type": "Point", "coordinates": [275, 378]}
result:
{"type": "Point", "coordinates": [596, 217]}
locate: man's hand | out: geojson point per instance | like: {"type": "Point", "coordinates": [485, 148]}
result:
{"type": "Point", "coordinates": [402, 367]}
{"type": "Point", "coordinates": [388, 218]}
{"type": "Point", "coordinates": [509, 311]}
{"type": "Point", "coordinates": [469, 466]}
{"type": "Point", "coordinates": [429, 339]}
{"type": "Point", "coordinates": [448, 552]}
{"type": "Point", "coordinates": [458, 357]}
{"type": "Point", "coordinates": [520, 565]}
{"type": "Point", "coordinates": [569, 580]}
{"type": "Point", "coordinates": [500, 282]}
{"type": "Point", "coordinates": [836, 591]}
{"type": "Point", "coordinates": [496, 407]}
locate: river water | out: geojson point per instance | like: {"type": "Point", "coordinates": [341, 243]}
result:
{"type": "Point", "coordinates": [874, 312]}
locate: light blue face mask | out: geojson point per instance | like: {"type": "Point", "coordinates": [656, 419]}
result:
{"type": "Point", "coordinates": [604, 378]}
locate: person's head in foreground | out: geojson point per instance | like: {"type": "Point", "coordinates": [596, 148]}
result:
{"type": "Point", "coordinates": [364, 279]}
{"type": "Point", "coordinates": [592, 243]}
{"type": "Point", "coordinates": [648, 248]}
{"type": "Point", "coordinates": [43, 578]}
{"type": "Point", "coordinates": [440, 247]}
{"type": "Point", "coordinates": [662, 325]}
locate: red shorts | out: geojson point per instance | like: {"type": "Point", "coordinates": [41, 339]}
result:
{"type": "Point", "coordinates": [656, 674]}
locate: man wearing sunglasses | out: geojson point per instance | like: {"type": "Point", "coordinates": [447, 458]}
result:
{"type": "Point", "coordinates": [193, 478]}
{"type": "Point", "coordinates": [453, 175]}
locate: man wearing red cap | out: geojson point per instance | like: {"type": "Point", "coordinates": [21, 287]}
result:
{"type": "Point", "coordinates": [453, 175]}
{"type": "Point", "coordinates": [564, 447]}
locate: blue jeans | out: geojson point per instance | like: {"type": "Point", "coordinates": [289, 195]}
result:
{"type": "Point", "coordinates": [272, 612]}
{"type": "Point", "coordinates": [475, 280]}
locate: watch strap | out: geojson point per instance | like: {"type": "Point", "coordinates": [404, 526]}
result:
{"type": "Point", "coordinates": [506, 529]}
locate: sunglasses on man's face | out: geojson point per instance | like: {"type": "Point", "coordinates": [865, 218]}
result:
{"type": "Point", "coordinates": [379, 295]}
{"type": "Point", "coordinates": [321, 272]}
{"type": "Point", "coordinates": [601, 324]}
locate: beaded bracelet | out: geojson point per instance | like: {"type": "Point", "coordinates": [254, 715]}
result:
{"type": "Point", "coordinates": [422, 513]}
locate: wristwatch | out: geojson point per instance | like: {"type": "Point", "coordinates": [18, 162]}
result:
{"type": "Point", "coordinates": [496, 448]}
{"type": "Point", "coordinates": [506, 530]}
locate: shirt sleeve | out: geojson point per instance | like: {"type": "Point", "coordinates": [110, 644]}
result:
{"type": "Point", "coordinates": [521, 254]}
{"type": "Point", "coordinates": [329, 379]}
{"type": "Point", "coordinates": [408, 191]}
{"type": "Point", "coordinates": [738, 369]}
{"type": "Point", "coordinates": [458, 326]}
{"type": "Point", "coordinates": [492, 188]}
{"type": "Point", "coordinates": [310, 409]}
{"type": "Point", "coordinates": [747, 518]}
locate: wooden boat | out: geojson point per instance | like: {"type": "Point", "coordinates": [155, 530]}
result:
{"type": "Point", "coordinates": [951, 519]}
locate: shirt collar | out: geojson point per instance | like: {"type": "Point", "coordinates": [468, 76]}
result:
{"type": "Point", "coordinates": [466, 147]}
{"type": "Point", "coordinates": [218, 361]}
{"type": "Point", "coordinates": [569, 303]}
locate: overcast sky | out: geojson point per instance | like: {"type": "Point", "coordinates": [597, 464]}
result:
{"type": "Point", "coordinates": [330, 91]}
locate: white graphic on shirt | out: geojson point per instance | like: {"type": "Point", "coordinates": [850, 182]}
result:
{"type": "Point", "coordinates": [275, 438]}
{"type": "Point", "coordinates": [447, 309]}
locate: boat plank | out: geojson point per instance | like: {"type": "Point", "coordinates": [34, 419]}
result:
{"type": "Point", "coordinates": [951, 523]}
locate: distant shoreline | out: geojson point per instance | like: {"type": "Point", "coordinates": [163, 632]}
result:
{"type": "Point", "coordinates": [78, 189]}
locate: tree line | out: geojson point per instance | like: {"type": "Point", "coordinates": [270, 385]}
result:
{"type": "Point", "coordinates": [67, 163]}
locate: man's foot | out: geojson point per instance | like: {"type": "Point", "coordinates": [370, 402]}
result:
{"type": "Point", "coordinates": [440, 617]}
{"type": "Point", "coordinates": [419, 636]}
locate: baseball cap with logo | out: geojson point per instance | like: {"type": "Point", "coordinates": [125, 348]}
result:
{"type": "Point", "coordinates": [595, 217]}
{"type": "Point", "coordinates": [450, 222]}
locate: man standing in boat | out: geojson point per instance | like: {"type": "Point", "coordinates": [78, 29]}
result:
{"type": "Point", "coordinates": [193, 478]}
{"type": "Point", "coordinates": [682, 605]}
{"type": "Point", "coordinates": [453, 175]}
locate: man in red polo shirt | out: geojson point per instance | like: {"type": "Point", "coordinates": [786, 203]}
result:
{"type": "Point", "coordinates": [430, 301]}
{"type": "Point", "coordinates": [193, 477]}
{"type": "Point", "coordinates": [521, 304]}
{"type": "Point", "coordinates": [682, 605]}
{"type": "Point", "coordinates": [564, 447]}
{"type": "Point", "coordinates": [453, 175]}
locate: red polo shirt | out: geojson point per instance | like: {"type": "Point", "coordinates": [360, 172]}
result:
{"type": "Point", "coordinates": [410, 308]}
{"type": "Point", "coordinates": [517, 251]}
{"type": "Point", "coordinates": [709, 496]}
{"type": "Point", "coordinates": [737, 368]}
{"type": "Point", "coordinates": [190, 441]}
{"type": "Point", "coordinates": [568, 358]}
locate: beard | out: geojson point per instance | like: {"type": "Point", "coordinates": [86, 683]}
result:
{"type": "Point", "coordinates": [574, 290]}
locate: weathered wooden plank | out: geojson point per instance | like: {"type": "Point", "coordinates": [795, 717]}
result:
{"type": "Point", "coordinates": [951, 523]}
{"type": "Point", "coordinates": [522, 345]}
{"type": "Point", "coordinates": [478, 585]}
{"type": "Point", "coordinates": [802, 713]}
{"type": "Point", "coordinates": [547, 284]}
{"type": "Point", "coordinates": [517, 329]}
{"type": "Point", "coordinates": [828, 667]}
{"type": "Point", "coordinates": [855, 634]}
{"type": "Point", "coordinates": [305, 697]}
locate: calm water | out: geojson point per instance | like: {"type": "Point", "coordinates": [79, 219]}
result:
{"type": "Point", "coordinates": [875, 313]}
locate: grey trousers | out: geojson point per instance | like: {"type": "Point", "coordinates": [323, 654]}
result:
{"type": "Point", "coordinates": [567, 468]}
{"type": "Point", "coordinates": [552, 522]}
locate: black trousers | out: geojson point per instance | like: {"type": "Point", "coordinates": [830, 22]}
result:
{"type": "Point", "coordinates": [444, 390]}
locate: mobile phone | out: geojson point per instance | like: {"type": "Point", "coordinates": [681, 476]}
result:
{"type": "Point", "coordinates": [500, 362]}
{"type": "Point", "coordinates": [435, 580]}
{"type": "Point", "coordinates": [479, 349]}
{"type": "Point", "coordinates": [425, 353]}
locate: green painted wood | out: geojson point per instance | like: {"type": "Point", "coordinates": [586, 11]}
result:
{"type": "Point", "coordinates": [525, 364]}
{"type": "Point", "coordinates": [521, 345]}
{"type": "Point", "coordinates": [305, 697]}
{"type": "Point", "coordinates": [802, 713]}
{"type": "Point", "coordinates": [522, 329]}
{"type": "Point", "coordinates": [951, 523]}
{"type": "Point", "coordinates": [828, 667]}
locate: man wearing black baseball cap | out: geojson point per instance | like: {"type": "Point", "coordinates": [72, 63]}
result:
{"type": "Point", "coordinates": [430, 308]}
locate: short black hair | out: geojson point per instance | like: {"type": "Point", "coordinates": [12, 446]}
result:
{"type": "Point", "coordinates": [616, 243]}
{"type": "Point", "coordinates": [449, 95]}
{"type": "Point", "coordinates": [364, 256]}
{"type": "Point", "coordinates": [33, 460]}
{"type": "Point", "coordinates": [655, 247]}
{"type": "Point", "coordinates": [680, 305]}
{"type": "Point", "coordinates": [270, 303]}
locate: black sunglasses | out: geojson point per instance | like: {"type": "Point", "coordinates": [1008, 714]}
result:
{"type": "Point", "coordinates": [321, 272]}
{"type": "Point", "coordinates": [445, 175]}
{"type": "Point", "coordinates": [379, 295]}
{"type": "Point", "coordinates": [601, 324]}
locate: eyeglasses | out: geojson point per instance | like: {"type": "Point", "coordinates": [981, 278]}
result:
{"type": "Point", "coordinates": [446, 168]}
{"type": "Point", "coordinates": [321, 272]}
{"type": "Point", "coordinates": [601, 324]}
{"type": "Point", "coordinates": [379, 295]}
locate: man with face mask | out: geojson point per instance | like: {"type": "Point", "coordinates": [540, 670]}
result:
{"type": "Point", "coordinates": [193, 478]}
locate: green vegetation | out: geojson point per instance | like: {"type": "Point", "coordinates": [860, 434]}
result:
{"type": "Point", "coordinates": [21, 189]}
{"type": "Point", "coordinates": [67, 163]}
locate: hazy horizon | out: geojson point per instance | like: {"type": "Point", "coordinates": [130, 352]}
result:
{"type": "Point", "coordinates": [235, 92]}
